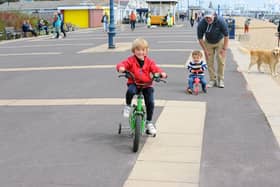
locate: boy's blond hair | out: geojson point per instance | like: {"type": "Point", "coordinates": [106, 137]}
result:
{"type": "Point", "coordinates": [139, 43]}
{"type": "Point", "coordinates": [197, 53]}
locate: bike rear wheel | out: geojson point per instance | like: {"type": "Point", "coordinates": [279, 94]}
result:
{"type": "Point", "coordinates": [137, 133]}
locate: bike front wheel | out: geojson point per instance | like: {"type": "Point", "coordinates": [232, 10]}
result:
{"type": "Point", "coordinates": [137, 132]}
{"type": "Point", "coordinates": [196, 89]}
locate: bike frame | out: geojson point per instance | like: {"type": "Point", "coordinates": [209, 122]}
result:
{"type": "Point", "coordinates": [196, 83]}
{"type": "Point", "coordinates": [138, 109]}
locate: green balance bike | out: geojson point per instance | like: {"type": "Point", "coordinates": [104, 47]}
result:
{"type": "Point", "coordinates": [137, 117]}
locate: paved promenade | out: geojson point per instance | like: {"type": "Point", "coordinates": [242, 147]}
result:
{"type": "Point", "coordinates": [56, 96]}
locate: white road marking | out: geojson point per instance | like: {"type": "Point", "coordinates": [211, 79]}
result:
{"type": "Point", "coordinates": [170, 42]}
{"type": "Point", "coordinates": [47, 45]}
{"type": "Point", "coordinates": [76, 67]}
{"type": "Point", "coordinates": [172, 50]}
{"type": "Point", "coordinates": [30, 54]}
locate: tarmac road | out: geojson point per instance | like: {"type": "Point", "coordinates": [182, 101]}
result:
{"type": "Point", "coordinates": [60, 108]}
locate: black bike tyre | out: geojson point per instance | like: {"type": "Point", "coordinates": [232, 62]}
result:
{"type": "Point", "coordinates": [196, 89]}
{"type": "Point", "coordinates": [137, 133]}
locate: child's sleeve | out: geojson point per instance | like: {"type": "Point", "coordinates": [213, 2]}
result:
{"type": "Point", "coordinates": [125, 63]}
{"type": "Point", "coordinates": [154, 67]}
{"type": "Point", "coordinates": [204, 66]}
{"type": "Point", "coordinates": [189, 67]}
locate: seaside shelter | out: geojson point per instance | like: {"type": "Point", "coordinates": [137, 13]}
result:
{"type": "Point", "coordinates": [159, 9]}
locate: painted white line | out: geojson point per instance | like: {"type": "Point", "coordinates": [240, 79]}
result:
{"type": "Point", "coordinates": [120, 47]}
{"type": "Point", "coordinates": [172, 41]}
{"type": "Point", "coordinates": [56, 68]}
{"type": "Point", "coordinates": [83, 101]}
{"type": "Point", "coordinates": [48, 45]}
{"type": "Point", "coordinates": [30, 54]}
{"type": "Point", "coordinates": [76, 67]}
{"type": "Point", "coordinates": [172, 50]}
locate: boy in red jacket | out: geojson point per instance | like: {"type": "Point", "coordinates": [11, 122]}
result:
{"type": "Point", "coordinates": [141, 66]}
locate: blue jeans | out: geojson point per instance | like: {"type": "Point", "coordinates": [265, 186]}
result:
{"type": "Point", "coordinates": [132, 25]}
{"type": "Point", "coordinates": [201, 78]}
{"type": "Point", "coordinates": [148, 94]}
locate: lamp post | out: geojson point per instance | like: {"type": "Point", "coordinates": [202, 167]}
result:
{"type": "Point", "coordinates": [111, 32]}
{"type": "Point", "coordinates": [188, 9]}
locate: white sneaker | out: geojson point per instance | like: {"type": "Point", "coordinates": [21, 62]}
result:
{"type": "Point", "coordinates": [151, 128]}
{"type": "Point", "coordinates": [211, 84]}
{"type": "Point", "coordinates": [221, 84]}
{"type": "Point", "coordinates": [126, 111]}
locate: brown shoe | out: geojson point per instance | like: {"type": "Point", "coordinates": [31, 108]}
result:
{"type": "Point", "coordinates": [189, 91]}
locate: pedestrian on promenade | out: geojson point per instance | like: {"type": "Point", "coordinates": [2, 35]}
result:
{"type": "Point", "coordinates": [56, 25]}
{"type": "Point", "coordinates": [192, 21]}
{"type": "Point", "coordinates": [149, 20]}
{"type": "Point", "coordinates": [278, 33]}
{"type": "Point", "coordinates": [196, 67]}
{"type": "Point", "coordinates": [141, 66]}
{"type": "Point", "coordinates": [62, 23]}
{"type": "Point", "coordinates": [132, 19]}
{"type": "Point", "coordinates": [215, 43]}
{"type": "Point", "coordinates": [246, 26]}
{"type": "Point", "coordinates": [105, 21]}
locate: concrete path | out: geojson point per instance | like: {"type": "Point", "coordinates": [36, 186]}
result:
{"type": "Point", "coordinates": [264, 87]}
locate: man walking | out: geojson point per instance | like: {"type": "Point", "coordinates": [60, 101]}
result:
{"type": "Point", "coordinates": [132, 18]}
{"type": "Point", "coordinates": [215, 42]}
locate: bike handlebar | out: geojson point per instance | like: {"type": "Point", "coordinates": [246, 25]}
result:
{"type": "Point", "coordinates": [197, 71]}
{"type": "Point", "coordinates": [128, 74]}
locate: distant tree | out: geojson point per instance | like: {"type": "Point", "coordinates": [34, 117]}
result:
{"type": "Point", "coordinates": [4, 1]}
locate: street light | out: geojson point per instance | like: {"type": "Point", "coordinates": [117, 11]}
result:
{"type": "Point", "coordinates": [111, 32]}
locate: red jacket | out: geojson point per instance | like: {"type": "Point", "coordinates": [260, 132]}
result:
{"type": "Point", "coordinates": [142, 75]}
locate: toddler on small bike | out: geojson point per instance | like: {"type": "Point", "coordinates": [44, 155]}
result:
{"type": "Point", "coordinates": [196, 68]}
{"type": "Point", "coordinates": [141, 66]}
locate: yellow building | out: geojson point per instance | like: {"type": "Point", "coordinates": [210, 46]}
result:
{"type": "Point", "coordinates": [83, 16]}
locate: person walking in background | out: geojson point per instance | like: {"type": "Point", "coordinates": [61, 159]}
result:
{"type": "Point", "coordinates": [278, 28]}
{"type": "Point", "coordinates": [278, 33]}
{"type": "Point", "coordinates": [215, 43]}
{"type": "Point", "coordinates": [169, 18]}
{"type": "Point", "coordinates": [60, 15]}
{"type": "Point", "coordinates": [148, 19]}
{"type": "Point", "coordinates": [192, 21]}
{"type": "Point", "coordinates": [105, 22]}
{"type": "Point", "coordinates": [56, 25]}
{"type": "Point", "coordinates": [246, 25]}
{"type": "Point", "coordinates": [132, 19]}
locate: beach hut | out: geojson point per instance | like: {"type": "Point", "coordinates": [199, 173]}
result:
{"type": "Point", "coordinates": [82, 16]}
